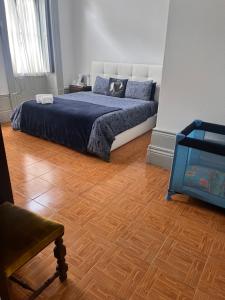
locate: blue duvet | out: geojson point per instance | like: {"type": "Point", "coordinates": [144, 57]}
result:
{"type": "Point", "coordinates": [84, 121]}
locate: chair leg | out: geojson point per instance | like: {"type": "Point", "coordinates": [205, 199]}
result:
{"type": "Point", "coordinates": [60, 253]}
{"type": "Point", "coordinates": [4, 289]}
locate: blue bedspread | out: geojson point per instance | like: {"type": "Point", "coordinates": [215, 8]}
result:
{"type": "Point", "coordinates": [119, 114]}
{"type": "Point", "coordinates": [66, 122]}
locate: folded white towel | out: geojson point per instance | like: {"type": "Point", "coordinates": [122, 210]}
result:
{"type": "Point", "coordinates": [44, 98]}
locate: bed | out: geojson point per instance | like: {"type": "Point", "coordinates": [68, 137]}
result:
{"type": "Point", "coordinates": [93, 123]}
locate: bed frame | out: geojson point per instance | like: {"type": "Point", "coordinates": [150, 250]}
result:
{"type": "Point", "coordinates": [138, 72]}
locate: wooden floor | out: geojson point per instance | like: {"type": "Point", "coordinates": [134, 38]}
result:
{"type": "Point", "coordinates": [124, 240]}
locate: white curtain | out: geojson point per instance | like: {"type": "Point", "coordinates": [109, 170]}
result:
{"type": "Point", "coordinates": [27, 33]}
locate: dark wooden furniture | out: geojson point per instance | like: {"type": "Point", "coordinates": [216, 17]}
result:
{"type": "Point", "coordinates": [5, 188]}
{"type": "Point", "coordinates": [77, 88]}
{"type": "Point", "coordinates": [23, 235]}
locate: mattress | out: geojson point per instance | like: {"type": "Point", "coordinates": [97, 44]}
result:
{"type": "Point", "coordinates": [134, 132]}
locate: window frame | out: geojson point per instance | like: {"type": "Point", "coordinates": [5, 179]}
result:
{"type": "Point", "coordinates": [49, 41]}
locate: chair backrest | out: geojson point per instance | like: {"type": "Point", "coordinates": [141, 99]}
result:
{"type": "Point", "coordinates": [5, 184]}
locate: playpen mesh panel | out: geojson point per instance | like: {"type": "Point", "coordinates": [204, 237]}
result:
{"type": "Point", "coordinates": [204, 170]}
{"type": "Point", "coordinates": [199, 163]}
{"type": "Point", "coordinates": [206, 173]}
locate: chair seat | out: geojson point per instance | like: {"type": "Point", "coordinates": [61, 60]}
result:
{"type": "Point", "coordinates": [23, 235]}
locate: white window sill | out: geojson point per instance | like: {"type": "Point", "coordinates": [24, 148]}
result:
{"type": "Point", "coordinates": [31, 75]}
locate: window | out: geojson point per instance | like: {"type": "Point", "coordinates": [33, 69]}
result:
{"type": "Point", "coordinates": [28, 36]}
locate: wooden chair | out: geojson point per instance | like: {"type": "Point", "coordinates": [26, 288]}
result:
{"type": "Point", "coordinates": [23, 235]}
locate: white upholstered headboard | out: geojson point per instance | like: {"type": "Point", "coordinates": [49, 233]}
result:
{"type": "Point", "coordinates": [138, 72]}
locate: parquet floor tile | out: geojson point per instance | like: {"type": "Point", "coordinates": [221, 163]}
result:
{"type": "Point", "coordinates": [212, 282]}
{"type": "Point", "coordinates": [194, 238]}
{"type": "Point", "coordinates": [124, 268]}
{"type": "Point", "coordinates": [33, 188]}
{"type": "Point", "coordinates": [124, 241]}
{"type": "Point", "coordinates": [176, 259]}
{"type": "Point", "coordinates": [199, 295]}
{"type": "Point", "coordinates": [218, 248]}
{"type": "Point", "coordinates": [19, 176]}
{"type": "Point", "coordinates": [204, 216]}
{"type": "Point", "coordinates": [85, 253]}
{"type": "Point", "coordinates": [79, 214]}
{"type": "Point", "coordinates": [38, 208]}
{"type": "Point", "coordinates": [162, 225]}
{"type": "Point", "coordinates": [125, 207]}
{"type": "Point", "coordinates": [158, 285]}
{"type": "Point", "coordinates": [164, 208]}
{"type": "Point", "coordinates": [108, 224]}
{"type": "Point", "coordinates": [58, 176]}
{"type": "Point", "coordinates": [99, 196]}
{"type": "Point", "coordinates": [57, 198]}
{"type": "Point", "coordinates": [39, 168]}
{"type": "Point", "coordinates": [141, 244]}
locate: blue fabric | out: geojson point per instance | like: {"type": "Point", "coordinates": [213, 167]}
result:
{"type": "Point", "coordinates": [117, 87]}
{"type": "Point", "coordinates": [132, 112]}
{"type": "Point", "coordinates": [207, 179]}
{"type": "Point", "coordinates": [152, 97]}
{"type": "Point", "coordinates": [105, 128]}
{"type": "Point", "coordinates": [139, 90]}
{"type": "Point", "coordinates": [73, 129]}
{"type": "Point", "coordinates": [101, 86]}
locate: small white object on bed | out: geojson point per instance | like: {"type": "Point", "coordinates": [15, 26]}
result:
{"type": "Point", "coordinates": [44, 98]}
{"type": "Point", "coordinates": [137, 72]}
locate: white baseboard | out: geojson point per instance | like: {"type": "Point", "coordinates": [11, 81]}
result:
{"type": "Point", "coordinates": [160, 151]}
{"type": "Point", "coordinates": [5, 108]}
{"type": "Point", "coordinates": [5, 116]}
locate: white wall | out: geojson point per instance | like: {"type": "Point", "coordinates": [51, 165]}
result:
{"type": "Point", "coordinates": [67, 36]}
{"type": "Point", "coordinates": [5, 108]}
{"type": "Point", "coordinates": [127, 31]}
{"type": "Point", "coordinates": [3, 81]}
{"type": "Point", "coordinates": [193, 85]}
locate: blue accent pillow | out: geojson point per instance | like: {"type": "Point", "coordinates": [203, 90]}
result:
{"type": "Point", "coordinates": [139, 90]}
{"type": "Point", "coordinates": [117, 87]}
{"type": "Point", "coordinates": [101, 85]}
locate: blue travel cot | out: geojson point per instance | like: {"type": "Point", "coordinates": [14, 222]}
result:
{"type": "Point", "coordinates": [199, 163]}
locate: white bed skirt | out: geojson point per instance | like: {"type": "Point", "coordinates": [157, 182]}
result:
{"type": "Point", "coordinates": [132, 133]}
